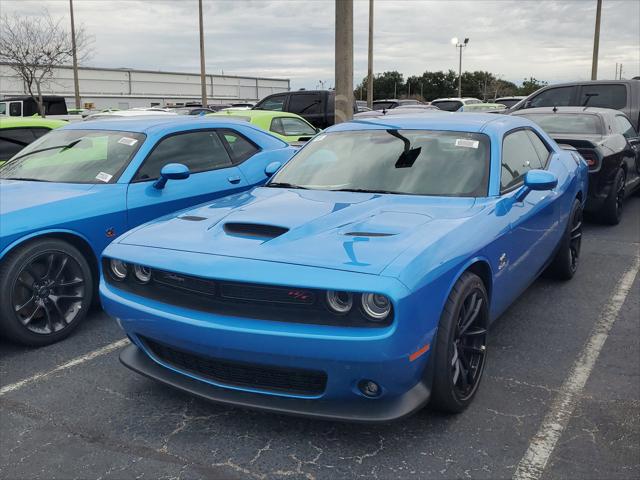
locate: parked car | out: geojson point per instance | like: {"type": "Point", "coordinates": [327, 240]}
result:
{"type": "Point", "coordinates": [193, 110]}
{"type": "Point", "coordinates": [321, 293]}
{"type": "Point", "coordinates": [509, 101]}
{"type": "Point", "coordinates": [483, 107]}
{"type": "Point", "coordinates": [402, 110]}
{"type": "Point", "coordinates": [67, 195]}
{"type": "Point", "coordinates": [623, 95]}
{"type": "Point", "coordinates": [316, 106]}
{"type": "Point", "coordinates": [609, 144]}
{"type": "Point", "coordinates": [389, 104]}
{"type": "Point", "coordinates": [134, 112]}
{"type": "Point", "coordinates": [453, 104]}
{"type": "Point", "coordinates": [289, 127]}
{"type": "Point", "coordinates": [17, 132]}
{"type": "Point", "coordinates": [55, 107]}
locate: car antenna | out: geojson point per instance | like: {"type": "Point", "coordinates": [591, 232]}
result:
{"type": "Point", "coordinates": [555, 109]}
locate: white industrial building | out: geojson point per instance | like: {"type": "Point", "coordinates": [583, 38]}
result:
{"type": "Point", "coordinates": [127, 88]}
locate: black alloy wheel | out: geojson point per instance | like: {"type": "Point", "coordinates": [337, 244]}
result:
{"type": "Point", "coordinates": [461, 345]}
{"type": "Point", "coordinates": [469, 346]}
{"type": "Point", "coordinates": [575, 238]}
{"type": "Point", "coordinates": [611, 212]}
{"type": "Point", "coordinates": [49, 286]}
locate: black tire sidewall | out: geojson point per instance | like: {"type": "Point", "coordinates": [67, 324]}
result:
{"type": "Point", "coordinates": [12, 264]}
{"type": "Point", "coordinates": [610, 214]}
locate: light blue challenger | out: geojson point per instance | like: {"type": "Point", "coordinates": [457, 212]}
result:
{"type": "Point", "coordinates": [359, 283]}
{"type": "Point", "coordinates": [68, 194]}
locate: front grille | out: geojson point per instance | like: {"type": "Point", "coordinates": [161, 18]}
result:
{"type": "Point", "coordinates": [239, 374]}
{"type": "Point", "coordinates": [244, 300]}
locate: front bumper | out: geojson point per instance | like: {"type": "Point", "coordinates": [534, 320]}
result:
{"type": "Point", "coordinates": [357, 410]}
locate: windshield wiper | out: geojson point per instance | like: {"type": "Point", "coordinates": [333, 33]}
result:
{"type": "Point", "coordinates": [61, 147]}
{"type": "Point", "coordinates": [25, 179]}
{"type": "Point", "coordinates": [285, 185]}
{"type": "Point", "coordinates": [362, 190]}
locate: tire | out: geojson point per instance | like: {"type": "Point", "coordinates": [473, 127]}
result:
{"type": "Point", "coordinates": [457, 349]}
{"type": "Point", "coordinates": [611, 211]}
{"type": "Point", "coordinates": [47, 287]}
{"type": "Point", "coordinates": [565, 264]}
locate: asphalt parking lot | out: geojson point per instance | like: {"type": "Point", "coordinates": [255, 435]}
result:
{"type": "Point", "coordinates": [72, 411]}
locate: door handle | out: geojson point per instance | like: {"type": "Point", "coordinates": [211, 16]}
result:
{"type": "Point", "coordinates": [233, 179]}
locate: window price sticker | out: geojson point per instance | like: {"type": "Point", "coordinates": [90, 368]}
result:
{"type": "Point", "coordinates": [128, 141]}
{"type": "Point", "coordinates": [464, 142]}
{"type": "Point", "coordinates": [104, 177]}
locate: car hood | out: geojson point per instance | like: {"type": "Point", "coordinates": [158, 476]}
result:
{"type": "Point", "coordinates": [360, 232]}
{"type": "Point", "coordinates": [18, 195]}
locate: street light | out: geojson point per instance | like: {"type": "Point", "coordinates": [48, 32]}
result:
{"type": "Point", "coordinates": [460, 45]}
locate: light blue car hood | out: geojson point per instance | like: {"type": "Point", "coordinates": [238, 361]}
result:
{"type": "Point", "coordinates": [360, 232]}
{"type": "Point", "coordinates": [18, 195]}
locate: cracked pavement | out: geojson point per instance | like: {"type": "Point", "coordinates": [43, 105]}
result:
{"type": "Point", "coordinates": [99, 420]}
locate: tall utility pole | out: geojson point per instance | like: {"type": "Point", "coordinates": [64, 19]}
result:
{"type": "Point", "coordinates": [616, 77]}
{"type": "Point", "coordinates": [370, 65]}
{"type": "Point", "coordinates": [203, 80]}
{"type": "Point", "coordinates": [459, 45]}
{"type": "Point", "coordinates": [76, 83]}
{"type": "Point", "coordinates": [620, 75]}
{"type": "Point", "coordinates": [596, 42]}
{"type": "Point", "coordinates": [344, 61]}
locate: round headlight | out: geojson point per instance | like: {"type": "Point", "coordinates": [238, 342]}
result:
{"type": "Point", "coordinates": [143, 274]}
{"type": "Point", "coordinates": [340, 302]}
{"type": "Point", "coordinates": [119, 269]}
{"type": "Point", "coordinates": [376, 306]}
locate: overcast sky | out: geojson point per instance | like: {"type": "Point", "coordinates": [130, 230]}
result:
{"type": "Point", "coordinates": [550, 40]}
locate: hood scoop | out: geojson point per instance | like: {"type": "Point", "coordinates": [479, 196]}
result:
{"type": "Point", "coordinates": [254, 230]}
{"type": "Point", "coordinates": [369, 234]}
{"type": "Point", "coordinates": [192, 218]}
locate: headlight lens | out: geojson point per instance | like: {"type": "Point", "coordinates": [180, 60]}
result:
{"type": "Point", "coordinates": [377, 307]}
{"type": "Point", "coordinates": [142, 273]}
{"type": "Point", "coordinates": [340, 302]}
{"type": "Point", "coordinates": [119, 269]}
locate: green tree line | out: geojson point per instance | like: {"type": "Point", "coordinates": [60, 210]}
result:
{"type": "Point", "coordinates": [431, 85]}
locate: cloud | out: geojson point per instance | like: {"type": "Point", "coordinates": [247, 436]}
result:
{"type": "Point", "coordinates": [550, 40]}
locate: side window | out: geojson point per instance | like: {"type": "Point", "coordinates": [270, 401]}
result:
{"type": "Point", "coordinates": [605, 96]}
{"type": "Point", "coordinates": [15, 109]}
{"type": "Point", "coordinates": [13, 140]}
{"type": "Point", "coordinates": [200, 151]}
{"type": "Point", "coordinates": [625, 127]}
{"type": "Point", "coordinates": [553, 97]}
{"type": "Point", "coordinates": [40, 131]}
{"type": "Point", "coordinates": [240, 147]}
{"type": "Point", "coordinates": [540, 147]}
{"type": "Point", "coordinates": [3, 108]}
{"type": "Point", "coordinates": [295, 126]}
{"type": "Point", "coordinates": [276, 126]}
{"type": "Point", "coordinates": [305, 104]}
{"type": "Point", "coordinates": [275, 103]}
{"type": "Point", "coordinates": [518, 157]}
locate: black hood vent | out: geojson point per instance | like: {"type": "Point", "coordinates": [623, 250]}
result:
{"type": "Point", "coordinates": [192, 218]}
{"type": "Point", "coordinates": [254, 230]}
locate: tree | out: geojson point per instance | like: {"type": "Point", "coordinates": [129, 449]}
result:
{"type": "Point", "coordinates": [34, 46]}
{"type": "Point", "coordinates": [385, 85]}
{"type": "Point", "coordinates": [530, 85]}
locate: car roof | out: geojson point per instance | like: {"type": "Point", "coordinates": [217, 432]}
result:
{"type": "Point", "coordinates": [253, 113]}
{"type": "Point", "coordinates": [154, 124]}
{"type": "Point", "coordinates": [453, 98]}
{"type": "Point", "coordinates": [593, 110]}
{"type": "Point", "coordinates": [16, 122]}
{"type": "Point", "coordinates": [456, 122]}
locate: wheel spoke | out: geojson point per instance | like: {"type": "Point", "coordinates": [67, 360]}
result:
{"type": "Point", "coordinates": [54, 301]}
{"type": "Point", "coordinates": [50, 325]}
{"type": "Point", "coordinates": [50, 260]}
{"type": "Point", "coordinates": [75, 296]}
{"type": "Point", "coordinates": [63, 264]}
{"type": "Point", "coordinates": [70, 283]}
{"type": "Point", "coordinates": [25, 284]}
{"type": "Point", "coordinates": [472, 314]}
{"type": "Point", "coordinates": [17, 308]}
{"type": "Point", "coordinates": [473, 349]}
{"type": "Point", "coordinates": [30, 318]}
{"type": "Point", "coordinates": [476, 332]}
{"type": "Point", "coordinates": [32, 274]}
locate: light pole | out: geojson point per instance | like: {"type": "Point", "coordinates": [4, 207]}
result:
{"type": "Point", "coordinates": [596, 42]}
{"type": "Point", "coordinates": [76, 84]}
{"type": "Point", "coordinates": [203, 80]}
{"type": "Point", "coordinates": [344, 61]}
{"type": "Point", "coordinates": [370, 59]}
{"type": "Point", "coordinates": [459, 45]}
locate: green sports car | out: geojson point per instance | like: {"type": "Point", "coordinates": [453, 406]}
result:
{"type": "Point", "coordinates": [288, 126]}
{"type": "Point", "coordinates": [18, 132]}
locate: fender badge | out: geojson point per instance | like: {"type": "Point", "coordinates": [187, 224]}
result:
{"type": "Point", "coordinates": [110, 233]}
{"type": "Point", "coordinates": [502, 261]}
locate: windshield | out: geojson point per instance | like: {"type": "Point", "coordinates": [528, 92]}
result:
{"type": "Point", "coordinates": [412, 162]}
{"type": "Point", "coordinates": [448, 105]}
{"type": "Point", "coordinates": [509, 102]}
{"type": "Point", "coordinates": [74, 156]}
{"type": "Point", "coordinates": [567, 123]}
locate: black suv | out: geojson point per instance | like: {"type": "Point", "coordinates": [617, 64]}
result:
{"type": "Point", "coordinates": [623, 95]}
{"type": "Point", "coordinates": [315, 106]}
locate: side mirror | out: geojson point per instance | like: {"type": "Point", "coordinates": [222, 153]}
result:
{"type": "Point", "coordinates": [538, 180]}
{"type": "Point", "coordinates": [272, 168]}
{"type": "Point", "coordinates": [171, 171]}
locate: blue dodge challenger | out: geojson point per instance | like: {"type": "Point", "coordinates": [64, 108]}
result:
{"type": "Point", "coordinates": [360, 281]}
{"type": "Point", "coordinates": [67, 195]}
